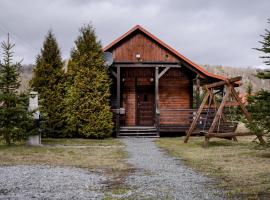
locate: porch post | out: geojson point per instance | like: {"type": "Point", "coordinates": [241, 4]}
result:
{"type": "Point", "coordinates": [197, 92]}
{"type": "Point", "coordinates": [118, 78]}
{"type": "Point", "coordinates": [157, 98]}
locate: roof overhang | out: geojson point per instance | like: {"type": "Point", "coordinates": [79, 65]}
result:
{"type": "Point", "coordinates": [202, 73]}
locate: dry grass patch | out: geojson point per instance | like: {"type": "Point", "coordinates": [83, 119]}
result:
{"type": "Point", "coordinates": [105, 154]}
{"type": "Point", "coordinates": [243, 168]}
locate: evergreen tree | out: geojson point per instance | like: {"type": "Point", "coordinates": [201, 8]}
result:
{"type": "Point", "coordinates": [49, 82]}
{"type": "Point", "coordinates": [259, 104]}
{"type": "Point", "coordinates": [249, 89]}
{"type": "Point", "coordinates": [15, 120]}
{"type": "Point", "coordinates": [266, 50]}
{"type": "Point", "coordinates": [87, 102]}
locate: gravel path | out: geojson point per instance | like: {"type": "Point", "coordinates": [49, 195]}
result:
{"type": "Point", "coordinates": [162, 177]}
{"type": "Point", "coordinates": [45, 182]}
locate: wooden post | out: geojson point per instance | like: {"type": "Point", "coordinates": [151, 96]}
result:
{"type": "Point", "coordinates": [157, 98]}
{"type": "Point", "coordinates": [118, 100]}
{"type": "Point", "coordinates": [218, 114]}
{"type": "Point", "coordinates": [194, 122]}
{"type": "Point", "coordinates": [197, 92]}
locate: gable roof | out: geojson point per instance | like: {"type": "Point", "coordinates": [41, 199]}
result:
{"type": "Point", "coordinates": [166, 46]}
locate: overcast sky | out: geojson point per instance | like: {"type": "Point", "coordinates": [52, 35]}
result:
{"type": "Point", "coordinates": [216, 32]}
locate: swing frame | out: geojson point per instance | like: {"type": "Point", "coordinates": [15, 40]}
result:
{"type": "Point", "coordinates": [227, 86]}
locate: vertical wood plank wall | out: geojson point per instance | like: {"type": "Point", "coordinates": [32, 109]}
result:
{"type": "Point", "coordinates": [174, 93]}
{"type": "Point", "coordinates": [149, 50]}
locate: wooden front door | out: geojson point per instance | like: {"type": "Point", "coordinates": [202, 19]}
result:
{"type": "Point", "coordinates": [145, 106]}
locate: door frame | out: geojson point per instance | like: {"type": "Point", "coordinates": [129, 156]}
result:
{"type": "Point", "coordinates": [152, 91]}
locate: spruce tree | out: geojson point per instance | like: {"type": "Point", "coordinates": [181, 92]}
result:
{"type": "Point", "coordinates": [259, 104]}
{"type": "Point", "coordinates": [266, 50]}
{"type": "Point", "coordinates": [87, 102]}
{"type": "Point", "coordinates": [49, 82]}
{"type": "Point", "coordinates": [249, 89]}
{"type": "Point", "coordinates": [15, 120]}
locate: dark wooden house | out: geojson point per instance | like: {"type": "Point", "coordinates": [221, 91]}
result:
{"type": "Point", "coordinates": [153, 85]}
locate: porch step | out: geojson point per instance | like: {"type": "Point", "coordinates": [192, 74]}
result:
{"type": "Point", "coordinates": [138, 131]}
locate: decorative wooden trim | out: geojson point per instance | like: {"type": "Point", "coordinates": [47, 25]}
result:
{"type": "Point", "coordinates": [163, 72]}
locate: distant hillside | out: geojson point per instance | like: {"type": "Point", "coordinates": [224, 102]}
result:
{"type": "Point", "coordinates": [248, 75]}
{"type": "Point", "coordinates": [26, 75]}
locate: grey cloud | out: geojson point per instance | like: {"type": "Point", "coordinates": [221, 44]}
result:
{"type": "Point", "coordinates": [206, 31]}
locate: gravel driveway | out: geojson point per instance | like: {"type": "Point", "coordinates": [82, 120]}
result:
{"type": "Point", "coordinates": [162, 177]}
{"type": "Point", "coordinates": [156, 176]}
{"type": "Point", "coordinates": [45, 182]}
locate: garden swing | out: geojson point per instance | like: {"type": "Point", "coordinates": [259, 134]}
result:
{"type": "Point", "coordinates": [219, 122]}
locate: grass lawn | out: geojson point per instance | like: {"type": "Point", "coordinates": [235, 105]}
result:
{"type": "Point", "coordinates": [105, 154]}
{"type": "Point", "coordinates": [242, 168]}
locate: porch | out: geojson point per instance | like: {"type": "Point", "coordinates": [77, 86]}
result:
{"type": "Point", "coordinates": [156, 95]}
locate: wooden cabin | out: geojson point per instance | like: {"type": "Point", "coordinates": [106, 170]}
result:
{"type": "Point", "coordinates": [152, 90]}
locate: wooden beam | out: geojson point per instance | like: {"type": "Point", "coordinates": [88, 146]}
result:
{"type": "Point", "coordinates": [221, 83]}
{"type": "Point", "coordinates": [231, 103]}
{"type": "Point", "coordinates": [242, 106]}
{"type": "Point", "coordinates": [218, 115]}
{"type": "Point", "coordinates": [246, 113]}
{"type": "Point", "coordinates": [163, 72]}
{"type": "Point", "coordinates": [217, 105]}
{"type": "Point", "coordinates": [220, 109]}
{"type": "Point", "coordinates": [157, 98]}
{"type": "Point", "coordinates": [194, 122]}
{"type": "Point", "coordinates": [147, 62]}
{"type": "Point", "coordinates": [113, 73]}
{"type": "Point", "coordinates": [118, 95]}
{"type": "Point", "coordinates": [229, 135]}
{"type": "Point", "coordinates": [197, 92]}
{"type": "Point", "coordinates": [138, 65]}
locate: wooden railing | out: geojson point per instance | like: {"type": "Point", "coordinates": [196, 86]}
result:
{"type": "Point", "coordinates": [181, 119]}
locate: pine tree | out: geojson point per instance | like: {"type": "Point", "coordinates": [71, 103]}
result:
{"type": "Point", "coordinates": [15, 120]}
{"type": "Point", "coordinates": [49, 82]}
{"type": "Point", "coordinates": [87, 102]}
{"type": "Point", "coordinates": [259, 104]}
{"type": "Point", "coordinates": [249, 89]}
{"type": "Point", "coordinates": [266, 50]}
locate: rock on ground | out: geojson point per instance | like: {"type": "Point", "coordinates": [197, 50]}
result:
{"type": "Point", "coordinates": [45, 182]}
{"type": "Point", "coordinates": [162, 177]}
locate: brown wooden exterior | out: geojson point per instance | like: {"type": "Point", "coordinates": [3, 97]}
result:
{"type": "Point", "coordinates": [152, 82]}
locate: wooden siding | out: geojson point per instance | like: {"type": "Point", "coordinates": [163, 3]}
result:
{"type": "Point", "coordinates": [145, 46]}
{"type": "Point", "coordinates": [174, 93]}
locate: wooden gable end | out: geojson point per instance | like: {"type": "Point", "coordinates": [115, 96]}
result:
{"type": "Point", "coordinates": [139, 43]}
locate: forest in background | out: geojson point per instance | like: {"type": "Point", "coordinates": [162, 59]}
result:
{"type": "Point", "coordinates": [247, 73]}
